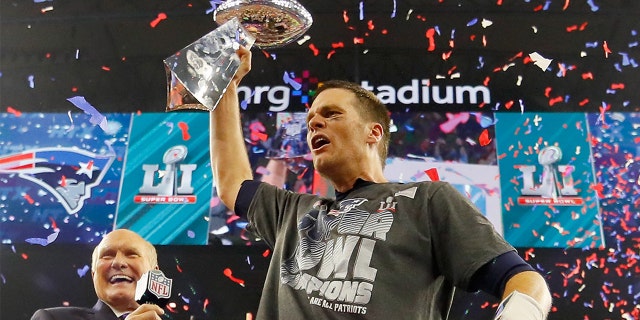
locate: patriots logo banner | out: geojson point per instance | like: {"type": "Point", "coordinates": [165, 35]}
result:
{"type": "Point", "coordinates": [68, 174]}
{"type": "Point", "coordinates": [60, 174]}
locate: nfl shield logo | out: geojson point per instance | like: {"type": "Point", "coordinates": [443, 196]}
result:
{"type": "Point", "coordinates": [159, 285]}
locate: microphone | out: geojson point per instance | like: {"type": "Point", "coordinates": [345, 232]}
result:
{"type": "Point", "coordinates": [153, 287]}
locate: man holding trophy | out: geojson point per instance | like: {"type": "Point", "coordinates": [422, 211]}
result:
{"type": "Point", "coordinates": [378, 250]}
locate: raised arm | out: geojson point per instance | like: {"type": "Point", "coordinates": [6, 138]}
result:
{"type": "Point", "coordinates": [229, 160]}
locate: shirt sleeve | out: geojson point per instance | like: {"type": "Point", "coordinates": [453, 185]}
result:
{"type": "Point", "coordinates": [247, 190]}
{"type": "Point", "coordinates": [493, 276]}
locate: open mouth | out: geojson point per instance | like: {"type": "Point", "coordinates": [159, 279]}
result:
{"type": "Point", "coordinates": [318, 142]}
{"type": "Point", "coordinates": [119, 278]}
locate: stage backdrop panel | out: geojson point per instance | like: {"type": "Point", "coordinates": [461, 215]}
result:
{"type": "Point", "coordinates": [59, 176]}
{"type": "Point", "coordinates": [616, 156]}
{"type": "Point", "coordinates": [547, 178]}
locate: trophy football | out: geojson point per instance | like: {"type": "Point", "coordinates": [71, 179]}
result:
{"type": "Point", "coordinates": [199, 74]}
{"type": "Point", "coordinates": [274, 23]}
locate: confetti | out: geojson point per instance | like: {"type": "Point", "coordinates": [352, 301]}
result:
{"type": "Point", "coordinates": [161, 16]}
{"type": "Point", "coordinates": [96, 117]}
{"type": "Point", "coordinates": [484, 138]}
{"type": "Point", "coordinates": [83, 271]}
{"type": "Point", "coordinates": [14, 112]}
{"type": "Point", "coordinates": [433, 174]}
{"type": "Point", "coordinates": [288, 79]}
{"type": "Point", "coordinates": [184, 129]}
{"type": "Point", "coordinates": [453, 120]}
{"type": "Point", "coordinates": [430, 36]}
{"type": "Point", "coordinates": [227, 272]}
{"type": "Point", "coordinates": [43, 241]}
{"type": "Point", "coordinates": [540, 61]}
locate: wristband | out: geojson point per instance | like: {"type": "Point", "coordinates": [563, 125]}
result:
{"type": "Point", "coordinates": [519, 306]}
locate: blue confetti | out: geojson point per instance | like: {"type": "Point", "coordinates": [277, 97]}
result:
{"type": "Point", "coordinates": [96, 117]}
{"type": "Point", "coordinates": [43, 241]}
{"type": "Point", "coordinates": [83, 271]}
{"type": "Point", "coordinates": [290, 81]}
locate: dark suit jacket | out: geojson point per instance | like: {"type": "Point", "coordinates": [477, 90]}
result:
{"type": "Point", "coordinates": [100, 311]}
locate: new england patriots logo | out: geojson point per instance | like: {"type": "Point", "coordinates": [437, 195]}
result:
{"type": "Point", "coordinates": [69, 174]}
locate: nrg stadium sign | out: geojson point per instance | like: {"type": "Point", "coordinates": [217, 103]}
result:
{"type": "Point", "coordinates": [418, 92]}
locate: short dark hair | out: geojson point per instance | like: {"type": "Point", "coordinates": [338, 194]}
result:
{"type": "Point", "coordinates": [370, 107]}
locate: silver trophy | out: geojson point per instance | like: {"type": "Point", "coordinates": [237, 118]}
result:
{"type": "Point", "coordinates": [199, 74]}
{"type": "Point", "coordinates": [274, 23]}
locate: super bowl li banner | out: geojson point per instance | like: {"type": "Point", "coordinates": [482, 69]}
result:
{"type": "Point", "coordinates": [547, 180]}
{"type": "Point", "coordinates": [166, 186]}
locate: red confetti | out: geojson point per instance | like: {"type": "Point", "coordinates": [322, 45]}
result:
{"type": "Point", "coordinates": [508, 104]}
{"type": "Point", "coordinates": [517, 56]}
{"type": "Point", "coordinates": [370, 25]}
{"type": "Point", "coordinates": [555, 100]}
{"type": "Point", "coordinates": [105, 68]}
{"type": "Point", "coordinates": [430, 35]}
{"type": "Point", "coordinates": [227, 272]}
{"type": "Point", "coordinates": [161, 16]}
{"type": "Point", "coordinates": [184, 127]}
{"type": "Point", "coordinates": [484, 138]}
{"type": "Point", "coordinates": [54, 225]}
{"type": "Point", "coordinates": [616, 86]}
{"type": "Point", "coordinates": [572, 28]}
{"type": "Point", "coordinates": [28, 198]}
{"type": "Point", "coordinates": [433, 174]}
{"type": "Point", "coordinates": [266, 253]}
{"type": "Point", "coordinates": [587, 75]}
{"type": "Point", "coordinates": [583, 25]}
{"type": "Point", "coordinates": [257, 131]}
{"type": "Point", "coordinates": [583, 102]}
{"type": "Point", "coordinates": [605, 46]}
{"type": "Point", "coordinates": [14, 112]}
{"type": "Point", "coordinates": [314, 49]}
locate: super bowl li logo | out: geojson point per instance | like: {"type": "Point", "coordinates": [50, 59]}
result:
{"type": "Point", "coordinates": [175, 179]}
{"type": "Point", "coordinates": [556, 182]}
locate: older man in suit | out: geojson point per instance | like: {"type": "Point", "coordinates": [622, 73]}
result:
{"type": "Point", "coordinates": [117, 263]}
